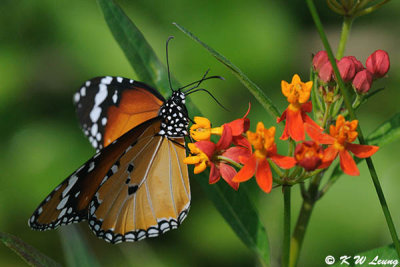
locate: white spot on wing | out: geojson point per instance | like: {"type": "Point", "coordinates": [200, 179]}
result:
{"type": "Point", "coordinates": [83, 91]}
{"type": "Point", "coordinates": [62, 203]}
{"type": "Point", "coordinates": [106, 80]}
{"type": "Point", "coordinates": [94, 129]}
{"type": "Point", "coordinates": [119, 79]}
{"type": "Point", "coordinates": [71, 183]}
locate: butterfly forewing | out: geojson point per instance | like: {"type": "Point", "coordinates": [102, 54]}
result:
{"type": "Point", "coordinates": [147, 196]}
{"type": "Point", "coordinates": [69, 202]}
{"type": "Point", "coordinates": [108, 107]}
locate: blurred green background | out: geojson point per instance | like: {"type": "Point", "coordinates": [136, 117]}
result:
{"type": "Point", "coordinates": [48, 48]}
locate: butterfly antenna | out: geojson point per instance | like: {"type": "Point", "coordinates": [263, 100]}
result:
{"type": "Point", "coordinates": [216, 100]}
{"type": "Point", "coordinates": [199, 82]}
{"type": "Point", "coordinates": [166, 51]}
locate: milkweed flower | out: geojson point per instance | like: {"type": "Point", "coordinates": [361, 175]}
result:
{"type": "Point", "coordinates": [201, 130]}
{"type": "Point", "coordinates": [340, 139]}
{"type": "Point", "coordinates": [297, 93]}
{"type": "Point", "coordinates": [263, 141]}
{"type": "Point", "coordinates": [309, 155]}
{"type": "Point", "coordinates": [205, 153]}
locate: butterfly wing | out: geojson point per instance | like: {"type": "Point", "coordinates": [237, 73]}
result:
{"type": "Point", "coordinates": [147, 196]}
{"type": "Point", "coordinates": [69, 201]}
{"type": "Point", "coordinates": [107, 107]}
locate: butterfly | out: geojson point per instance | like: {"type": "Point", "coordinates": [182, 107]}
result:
{"type": "Point", "coordinates": [136, 185]}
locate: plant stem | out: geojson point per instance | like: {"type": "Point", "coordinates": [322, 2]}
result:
{"type": "Point", "coordinates": [352, 115]}
{"type": "Point", "coordinates": [230, 161]}
{"type": "Point", "coordinates": [346, 26]}
{"type": "Point", "coordinates": [303, 219]}
{"type": "Point", "coordinates": [286, 226]}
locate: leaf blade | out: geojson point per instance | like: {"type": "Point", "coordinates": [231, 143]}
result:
{"type": "Point", "coordinates": [29, 254]}
{"type": "Point", "coordinates": [135, 47]}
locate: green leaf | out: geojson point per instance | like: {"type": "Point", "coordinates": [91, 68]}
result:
{"type": "Point", "coordinates": [76, 250]}
{"type": "Point", "coordinates": [236, 207]}
{"type": "Point", "coordinates": [132, 42]}
{"type": "Point", "coordinates": [384, 134]}
{"type": "Point", "coordinates": [372, 257]}
{"type": "Point", "coordinates": [253, 88]}
{"type": "Point", "coordinates": [29, 254]}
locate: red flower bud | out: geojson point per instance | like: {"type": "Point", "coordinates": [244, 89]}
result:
{"type": "Point", "coordinates": [359, 66]}
{"type": "Point", "coordinates": [362, 81]}
{"type": "Point", "coordinates": [347, 69]}
{"type": "Point", "coordinates": [325, 73]}
{"type": "Point", "coordinates": [308, 155]}
{"type": "Point", "coordinates": [319, 60]}
{"type": "Point", "coordinates": [378, 63]}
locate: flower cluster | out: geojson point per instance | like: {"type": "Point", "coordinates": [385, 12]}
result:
{"type": "Point", "coordinates": [352, 70]}
{"type": "Point", "coordinates": [239, 154]}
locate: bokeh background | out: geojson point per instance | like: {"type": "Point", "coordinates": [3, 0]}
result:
{"type": "Point", "coordinates": [49, 48]}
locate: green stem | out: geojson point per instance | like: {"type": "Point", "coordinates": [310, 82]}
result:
{"type": "Point", "coordinates": [286, 226]}
{"type": "Point", "coordinates": [230, 161]}
{"type": "Point", "coordinates": [352, 115]}
{"type": "Point", "coordinates": [346, 26]}
{"type": "Point", "coordinates": [302, 221]}
{"type": "Point", "coordinates": [326, 115]}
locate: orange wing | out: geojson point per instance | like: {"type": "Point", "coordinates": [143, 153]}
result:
{"type": "Point", "coordinates": [69, 201]}
{"type": "Point", "coordinates": [148, 195]}
{"type": "Point", "coordinates": [108, 107]}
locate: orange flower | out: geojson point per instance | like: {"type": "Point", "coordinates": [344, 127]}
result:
{"type": "Point", "coordinates": [309, 155]}
{"type": "Point", "coordinates": [297, 94]}
{"type": "Point", "coordinates": [263, 141]}
{"type": "Point", "coordinates": [340, 140]}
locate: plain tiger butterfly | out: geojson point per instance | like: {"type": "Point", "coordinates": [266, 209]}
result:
{"type": "Point", "coordinates": [136, 185]}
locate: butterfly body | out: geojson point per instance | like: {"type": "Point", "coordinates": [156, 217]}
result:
{"type": "Point", "coordinates": [136, 185]}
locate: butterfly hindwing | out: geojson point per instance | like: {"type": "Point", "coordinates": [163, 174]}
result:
{"type": "Point", "coordinates": [107, 107]}
{"type": "Point", "coordinates": [147, 196]}
{"type": "Point", "coordinates": [69, 201]}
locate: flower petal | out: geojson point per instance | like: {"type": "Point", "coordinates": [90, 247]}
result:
{"type": "Point", "coordinates": [347, 163]}
{"type": "Point", "coordinates": [226, 138]}
{"type": "Point", "coordinates": [264, 176]}
{"type": "Point", "coordinates": [207, 147]}
{"type": "Point", "coordinates": [247, 171]}
{"type": "Point", "coordinates": [200, 167]}
{"type": "Point", "coordinates": [362, 151]}
{"type": "Point", "coordinates": [318, 136]}
{"type": "Point", "coordinates": [330, 154]}
{"type": "Point", "coordinates": [295, 125]}
{"type": "Point", "coordinates": [227, 173]}
{"type": "Point", "coordinates": [283, 161]}
{"type": "Point", "coordinates": [214, 174]}
{"type": "Point", "coordinates": [241, 141]}
{"type": "Point", "coordinates": [235, 152]}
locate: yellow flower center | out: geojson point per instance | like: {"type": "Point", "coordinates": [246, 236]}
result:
{"type": "Point", "coordinates": [202, 131]}
{"type": "Point", "coordinates": [200, 159]}
{"type": "Point", "coordinates": [344, 132]}
{"type": "Point", "coordinates": [262, 140]}
{"type": "Point", "coordinates": [296, 92]}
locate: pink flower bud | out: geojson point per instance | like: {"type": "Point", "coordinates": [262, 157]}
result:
{"type": "Point", "coordinates": [319, 60]}
{"type": "Point", "coordinates": [378, 63]}
{"type": "Point", "coordinates": [347, 69]}
{"type": "Point", "coordinates": [359, 66]}
{"type": "Point", "coordinates": [325, 73]}
{"type": "Point", "coordinates": [362, 81]}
